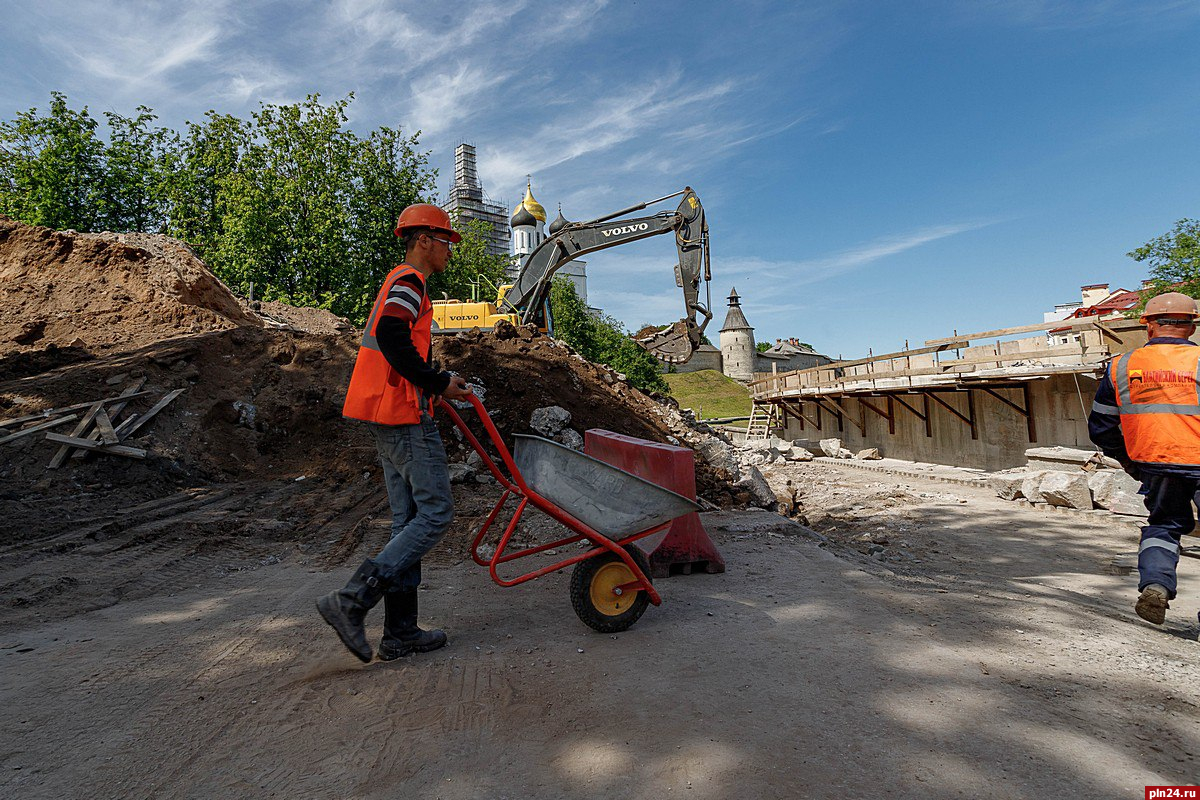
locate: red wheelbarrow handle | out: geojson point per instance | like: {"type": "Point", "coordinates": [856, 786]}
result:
{"type": "Point", "coordinates": [517, 486]}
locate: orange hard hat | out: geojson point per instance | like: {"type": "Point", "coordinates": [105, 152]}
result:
{"type": "Point", "coordinates": [1172, 304]}
{"type": "Point", "coordinates": [424, 215]}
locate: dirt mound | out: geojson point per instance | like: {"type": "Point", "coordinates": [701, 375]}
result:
{"type": "Point", "coordinates": [105, 291]}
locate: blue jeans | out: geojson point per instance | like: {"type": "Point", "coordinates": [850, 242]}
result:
{"type": "Point", "coordinates": [1169, 500]}
{"type": "Point", "coordinates": [418, 487]}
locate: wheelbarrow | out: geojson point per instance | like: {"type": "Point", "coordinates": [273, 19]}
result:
{"type": "Point", "coordinates": [598, 503]}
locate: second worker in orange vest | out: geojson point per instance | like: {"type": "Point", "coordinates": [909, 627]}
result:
{"type": "Point", "coordinates": [392, 389]}
{"type": "Point", "coordinates": [1146, 415]}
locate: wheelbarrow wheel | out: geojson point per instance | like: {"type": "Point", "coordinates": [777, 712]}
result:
{"type": "Point", "coordinates": [593, 596]}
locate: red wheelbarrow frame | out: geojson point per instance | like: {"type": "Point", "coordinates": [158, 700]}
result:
{"type": "Point", "coordinates": [515, 486]}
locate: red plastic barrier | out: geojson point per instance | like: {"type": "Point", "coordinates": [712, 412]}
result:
{"type": "Point", "coordinates": [687, 546]}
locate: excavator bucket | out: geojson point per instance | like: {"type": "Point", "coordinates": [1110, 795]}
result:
{"type": "Point", "coordinates": [673, 344]}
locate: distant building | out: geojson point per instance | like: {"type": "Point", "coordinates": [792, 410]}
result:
{"type": "Point", "coordinates": [526, 224]}
{"type": "Point", "coordinates": [467, 201]}
{"type": "Point", "coordinates": [1096, 300]}
{"type": "Point", "coordinates": [738, 357]}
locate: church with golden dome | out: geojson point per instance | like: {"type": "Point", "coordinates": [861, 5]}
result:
{"type": "Point", "coordinates": [526, 224]}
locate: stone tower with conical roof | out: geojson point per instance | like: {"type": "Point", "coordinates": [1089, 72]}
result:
{"type": "Point", "coordinates": [737, 342]}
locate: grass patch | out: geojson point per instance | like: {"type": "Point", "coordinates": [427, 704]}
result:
{"type": "Point", "coordinates": [709, 393]}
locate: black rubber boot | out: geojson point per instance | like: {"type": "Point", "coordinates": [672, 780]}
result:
{"type": "Point", "coordinates": [401, 636]}
{"type": "Point", "coordinates": [346, 608]}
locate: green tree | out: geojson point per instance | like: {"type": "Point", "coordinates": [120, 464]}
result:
{"type": "Point", "coordinates": [1174, 261]}
{"type": "Point", "coordinates": [296, 204]}
{"type": "Point", "coordinates": [52, 167]}
{"type": "Point", "coordinates": [208, 159]}
{"type": "Point", "coordinates": [601, 338]}
{"type": "Point", "coordinates": [474, 273]}
{"type": "Point", "coordinates": [139, 164]}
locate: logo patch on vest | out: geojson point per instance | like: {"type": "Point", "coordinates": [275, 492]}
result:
{"type": "Point", "coordinates": [1161, 376]}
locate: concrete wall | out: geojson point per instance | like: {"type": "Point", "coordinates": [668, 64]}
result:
{"type": "Point", "coordinates": [1003, 435]}
{"type": "Point", "coordinates": [701, 359]}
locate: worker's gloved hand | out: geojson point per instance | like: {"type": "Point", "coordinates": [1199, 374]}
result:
{"type": "Point", "coordinates": [458, 389]}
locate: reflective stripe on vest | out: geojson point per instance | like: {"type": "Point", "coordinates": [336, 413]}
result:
{"type": "Point", "coordinates": [1158, 397]}
{"type": "Point", "coordinates": [377, 393]}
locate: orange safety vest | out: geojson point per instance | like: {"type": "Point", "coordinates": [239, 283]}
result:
{"type": "Point", "coordinates": [377, 393]}
{"type": "Point", "coordinates": [1159, 400]}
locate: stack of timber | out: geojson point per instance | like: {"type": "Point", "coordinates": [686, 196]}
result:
{"type": "Point", "coordinates": [99, 430]}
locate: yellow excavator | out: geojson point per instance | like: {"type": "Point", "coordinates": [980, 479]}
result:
{"type": "Point", "coordinates": [527, 299]}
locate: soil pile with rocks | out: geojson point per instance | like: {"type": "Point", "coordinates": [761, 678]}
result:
{"type": "Point", "coordinates": [85, 316]}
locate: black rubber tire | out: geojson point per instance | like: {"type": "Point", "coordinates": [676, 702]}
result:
{"type": "Point", "coordinates": [581, 595]}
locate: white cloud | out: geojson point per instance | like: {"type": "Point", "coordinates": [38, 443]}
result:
{"type": "Point", "coordinates": [442, 99]}
{"type": "Point", "coordinates": [659, 105]}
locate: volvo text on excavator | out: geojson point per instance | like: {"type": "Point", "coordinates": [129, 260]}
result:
{"type": "Point", "coordinates": [527, 299]}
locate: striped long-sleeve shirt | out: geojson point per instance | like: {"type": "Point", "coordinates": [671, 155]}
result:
{"type": "Point", "coordinates": [404, 305]}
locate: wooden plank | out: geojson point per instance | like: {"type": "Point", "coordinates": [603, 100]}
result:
{"type": "Point", "coordinates": [830, 411]}
{"type": "Point", "coordinates": [114, 412]}
{"type": "Point", "coordinates": [50, 412]}
{"type": "Point", "coordinates": [144, 418]}
{"type": "Point", "coordinates": [97, 447]}
{"type": "Point", "coordinates": [1026, 355]}
{"type": "Point", "coordinates": [1041, 326]}
{"type": "Point", "coordinates": [878, 411]}
{"type": "Point", "coordinates": [52, 423]}
{"type": "Point", "coordinates": [950, 408]}
{"type": "Point", "coordinates": [83, 425]}
{"type": "Point", "coordinates": [104, 427]}
{"type": "Point", "coordinates": [938, 347]}
{"type": "Point", "coordinates": [861, 425]}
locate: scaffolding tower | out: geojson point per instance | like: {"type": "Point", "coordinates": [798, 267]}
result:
{"type": "Point", "coordinates": [467, 201]}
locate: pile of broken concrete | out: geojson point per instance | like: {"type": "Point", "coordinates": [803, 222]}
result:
{"type": "Point", "coordinates": [1070, 478]}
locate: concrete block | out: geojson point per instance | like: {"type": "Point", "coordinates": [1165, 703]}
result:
{"type": "Point", "coordinates": [549, 420]}
{"type": "Point", "coordinates": [1007, 486]}
{"type": "Point", "coordinates": [757, 485]}
{"type": "Point", "coordinates": [1100, 482]}
{"type": "Point", "coordinates": [1061, 459]}
{"type": "Point", "coordinates": [831, 447]}
{"type": "Point", "coordinates": [799, 454]}
{"type": "Point", "coordinates": [570, 437]}
{"type": "Point", "coordinates": [1066, 489]}
{"type": "Point", "coordinates": [719, 455]}
{"type": "Point", "coordinates": [1030, 486]}
{"type": "Point", "coordinates": [1118, 483]}
{"type": "Point", "coordinates": [461, 473]}
{"type": "Point", "coordinates": [869, 454]}
{"type": "Point", "coordinates": [1127, 503]}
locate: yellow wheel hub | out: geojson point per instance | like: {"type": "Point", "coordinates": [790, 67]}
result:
{"type": "Point", "coordinates": [605, 581]}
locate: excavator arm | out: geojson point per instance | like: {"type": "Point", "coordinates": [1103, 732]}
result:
{"type": "Point", "coordinates": [674, 344]}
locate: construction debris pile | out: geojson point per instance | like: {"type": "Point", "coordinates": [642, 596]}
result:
{"type": "Point", "coordinates": [255, 394]}
{"type": "Point", "coordinates": [1069, 478]}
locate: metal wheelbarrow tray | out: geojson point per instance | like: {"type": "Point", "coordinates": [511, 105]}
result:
{"type": "Point", "coordinates": [606, 506]}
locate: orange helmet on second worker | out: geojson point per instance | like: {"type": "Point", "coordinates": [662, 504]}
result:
{"type": "Point", "coordinates": [424, 215]}
{"type": "Point", "coordinates": [1173, 305]}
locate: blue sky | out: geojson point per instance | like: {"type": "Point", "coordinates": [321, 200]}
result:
{"type": "Point", "coordinates": [873, 172]}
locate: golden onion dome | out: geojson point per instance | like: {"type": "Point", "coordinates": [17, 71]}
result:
{"type": "Point", "coordinates": [528, 208]}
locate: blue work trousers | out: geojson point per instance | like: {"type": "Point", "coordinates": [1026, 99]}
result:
{"type": "Point", "coordinates": [1169, 500]}
{"type": "Point", "coordinates": [418, 488]}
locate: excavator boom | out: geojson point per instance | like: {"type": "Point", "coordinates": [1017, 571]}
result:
{"type": "Point", "coordinates": [674, 344]}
